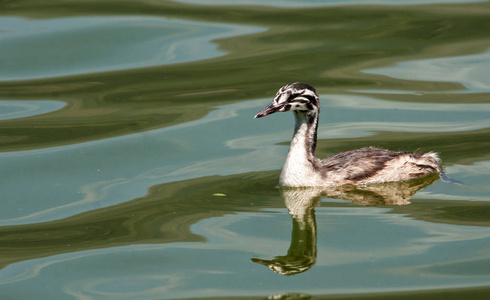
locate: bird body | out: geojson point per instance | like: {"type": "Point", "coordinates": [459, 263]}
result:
{"type": "Point", "coordinates": [360, 166]}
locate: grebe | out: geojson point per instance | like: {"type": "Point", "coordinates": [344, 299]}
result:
{"type": "Point", "coordinates": [354, 167]}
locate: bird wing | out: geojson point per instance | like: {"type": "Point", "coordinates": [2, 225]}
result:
{"type": "Point", "coordinates": [360, 163]}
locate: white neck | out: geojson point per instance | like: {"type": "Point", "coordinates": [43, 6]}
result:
{"type": "Point", "coordinates": [299, 168]}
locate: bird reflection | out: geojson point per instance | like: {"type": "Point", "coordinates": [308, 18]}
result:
{"type": "Point", "coordinates": [301, 255]}
{"type": "Point", "coordinates": [301, 203]}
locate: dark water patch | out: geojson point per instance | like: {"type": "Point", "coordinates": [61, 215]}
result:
{"type": "Point", "coordinates": [460, 212]}
{"type": "Point", "coordinates": [298, 3]}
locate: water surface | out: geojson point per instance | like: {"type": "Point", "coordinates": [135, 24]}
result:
{"type": "Point", "coordinates": [132, 167]}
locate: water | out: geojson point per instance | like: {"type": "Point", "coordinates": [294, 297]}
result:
{"type": "Point", "coordinates": [132, 167]}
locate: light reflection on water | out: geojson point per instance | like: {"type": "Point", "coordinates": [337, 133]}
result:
{"type": "Point", "coordinates": [71, 46]}
{"type": "Point", "coordinates": [23, 109]}
{"type": "Point", "coordinates": [472, 71]}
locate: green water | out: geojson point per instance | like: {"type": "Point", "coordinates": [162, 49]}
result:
{"type": "Point", "coordinates": [132, 167]}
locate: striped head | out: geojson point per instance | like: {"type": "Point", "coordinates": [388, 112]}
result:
{"type": "Point", "coordinates": [296, 96]}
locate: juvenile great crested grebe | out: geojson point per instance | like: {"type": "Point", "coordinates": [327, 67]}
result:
{"type": "Point", "coordinates": [360, 166]}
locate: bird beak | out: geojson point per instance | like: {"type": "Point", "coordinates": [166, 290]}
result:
{"type": "Point", "coordinates": [270, 109]}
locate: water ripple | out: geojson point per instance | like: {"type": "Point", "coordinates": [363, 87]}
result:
{"type": "Point", "coordinates": [471, 71]}
{"type": "Point", "coordinates": [69, 46]}
{"type": "Point", "coordinates": [27, 108]}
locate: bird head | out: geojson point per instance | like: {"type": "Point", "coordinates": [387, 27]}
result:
{"type": "Point", "coordinates": [297, 96]}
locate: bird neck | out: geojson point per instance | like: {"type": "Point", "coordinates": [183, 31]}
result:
{"type": "Point", "coordinates": [300, 166]}
{"type": "Point", "coordinates": [305, 134]}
